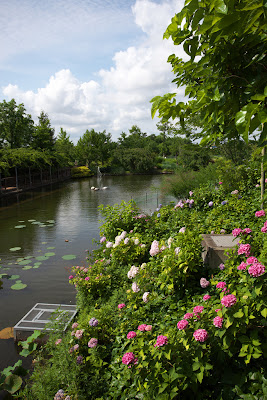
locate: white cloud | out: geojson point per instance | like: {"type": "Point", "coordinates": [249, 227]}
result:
{"type": "Point", "coordinates": [118, 97]}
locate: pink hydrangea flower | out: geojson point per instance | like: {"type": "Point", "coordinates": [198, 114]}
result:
{"type": "Point", "coordinates": [154, 250]}
{"type": "Point", "coordinates": [92, 342]}
{"type": "Point", "coordinates": [148, 328]}
{"type": "Point", "coordinates": [75, 325]}
{"type": "Point", "coordinates": [244, 249]}
{"type": "Point", "coordinates": [220, 183]}
{"type": "Point", "coordinates": [218, 309]}
{"type": "Point", "coordinates": [161, 341]}
{"type": "Point", "coordinates": [103, 239]}
{"type": "Point", "coordinates": [182, 230]}
{"type": "Point", "coordinates": [131, 335]}
{"type": "Point", "coordinates": [264, 229]}
{"type": "Point", "coordinates": [188, 315]}
{"type": "Point", "coordinates": [206, 297]}
{"type": "Point", "coordinates": [217, 321]}
{"type": "Point", "coordinates": [121, 305]}
{"type": "Point", "coordinates": [260, 213]}
{"type": "Point", "coordinates": [228, 300]}
{"type": "Point", "coordinates": [87, 278]}
{"type": "Point", "coordinates": [246, 231]}
{"type": "Point", "coordinates": [129, 359]}
{"type": "Point", "coordinates": [58, 341]}
{"type": "Point", "coordinates": [182, 324]}
{"type": "Point", "coordinates": [142, 327]}
{"type": "Point", "coordinates": [256, 270]}
{"type": "Point", "coordinates": [201, 335]}
{"type": "Point", "coordinates": [79, 333]}
{"type": "Point", "coordinates": [75, 347]}
{"type": "Point", "coordinates": [198, 309]}
{"type": "Point", "coordinates": [236, 232]}
{"type": "Point", "coordinates": [204, 283]}
{"type": "Point", "coordinates": [251, 260]}
{"type": "Point", "coordinates": [242, 266]}
{"type": "Point", "coordinates": [221, 285]}
{"type": "Point", "coordinates": [71, 277]}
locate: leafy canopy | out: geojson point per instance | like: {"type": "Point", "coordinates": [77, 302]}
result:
{"type": "Point", "coordinates": [225, 76]}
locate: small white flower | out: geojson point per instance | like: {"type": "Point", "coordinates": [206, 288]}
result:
{"type": "Point", "coordinates": [135, 287]}
{"type": "Point", "coordinates": [145, 297]}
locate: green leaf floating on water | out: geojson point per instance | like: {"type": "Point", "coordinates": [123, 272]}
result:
{"type": "Point", "coordinates": [41, 258]}
{"type": "Point", "coordinates": [51, 221]}
{"type": "Point", "coordinates": [27, 267]}
{"type": "Point", "coordinates": [50, 254]}
{"type": "Point", "coordinates": [44, 242]}
{"type": "Point", "coordinates": [51, 248]}
{"type": "Point", "coordinates": [18, 285]}
{"type": "Point", "coordinates": [69, 257]}
{"type": "Point", "coordinates": [25, 262]}
{"type": "Point", "coordinates": [15, 248]}
{"type": "Point", "coordinates": [3, 275]}
{"type": "Point", "coordinates": [31, 220]}
{"type": "Point", "coordinates": [20, 226]}
{"type": "Point", "coordinates": [36, 266]}
{"type": "Point", "coordinates": [13, 277]}
{"type": "Point", "coordinates": [38, 263]}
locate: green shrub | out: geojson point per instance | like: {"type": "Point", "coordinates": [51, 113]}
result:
{"type": "Point", "coordinates": [80, 172]}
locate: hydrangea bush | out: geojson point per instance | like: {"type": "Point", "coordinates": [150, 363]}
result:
{"type": "Point", "coordinates": [154, 323]}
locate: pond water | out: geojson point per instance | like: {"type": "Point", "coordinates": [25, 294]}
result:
{"type": "Point", "coordinates": [44, 232]}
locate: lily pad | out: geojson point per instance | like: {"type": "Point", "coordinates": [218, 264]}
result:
{"type": "Point", "coordinates": [31, 220]}
{"type": "Point", "coordinates": [44, 242]}
{"type": "Point", "coordinates": [27, 257]}
{"type": "Point", "coordinates": [51, 221]}
{"type": "Point", "coordinates": [69, 257]}
{"type": "Point", "coordinates": [15, 248]}
{"type": "Point", "coordinates": [41, 258]}
{"type": "Point", "coordinates": [38, 263]}
{"type": "Point", "coordinates": [18, 286]}
{"type": "Point", "coordinates": [50, 254]}
{"type": "Point", "coordinates": [3, 276]}
{"type": "Point", "coordinates": [21, 221]}
{"type": "Point", "coordinates": [51, 248]}
{"type": "Point", "coordinates": [50, 225]}
{"type": "Point", "coordinates": [27, 267]}
{"type": "Point", "coordinates": [20, 226]}
{"type": "Point", "coordinates": [35, 266]}
{"type": "Point", "coordinates": [24, 262]}
{"type": "Point", "coordinates": [13, 277]}
{"type": "Point", "coordinates": [36, 222]}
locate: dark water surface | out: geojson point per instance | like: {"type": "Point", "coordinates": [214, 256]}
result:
{"type": "Point", "coordinates": [72, 209]}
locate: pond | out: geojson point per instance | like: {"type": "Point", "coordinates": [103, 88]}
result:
{"type": "Point", "coordinates": [45, 232]}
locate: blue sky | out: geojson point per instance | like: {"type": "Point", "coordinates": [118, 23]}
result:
{"type": "Point", "coordinates": [87, 63]}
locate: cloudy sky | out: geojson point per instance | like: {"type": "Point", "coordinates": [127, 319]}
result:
{"type": "Point", "coordinates": [87, 63]}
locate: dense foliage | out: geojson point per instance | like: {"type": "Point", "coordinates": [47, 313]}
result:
{"type": "Point", "coordinates": [153, 322]}
{"type": "Point", "coordinates": [225, 77]}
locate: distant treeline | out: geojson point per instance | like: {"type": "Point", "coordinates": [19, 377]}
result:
{"type": "Point", "coordinates": [24, 144]}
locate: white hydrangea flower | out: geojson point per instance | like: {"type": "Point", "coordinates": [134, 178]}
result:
{"type": "Point", "coordinates": [135, 287]}
{"type": "Point", "coordinates": [145, 297]}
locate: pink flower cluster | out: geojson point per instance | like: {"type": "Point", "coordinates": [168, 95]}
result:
{"type": "Point", "coordinates": [188, 315]}
{"type": "Point", "coordinates": [256, 269]}
{"type": "Point", "coordinates": [236, 232]}
{"type": "Point", "coordinates": [229, 300]}
{"type": "Point", "coordinates": [198, 309]}
{"type": "Point", "coordinates": [161, 341]}
{"type": "Point", "coordinates": [264, 228]}
{"type": "Point", "coordinates": [58, 341]}
{"type": "Point", "coordinates": [260, 213]}
{"type": "Point", "coordinates": [79, 333]}
{"type": "Point", "coordinates": [221, 285]}
{"type": "Point", "coordinates": [92, 342]}
{"type": "Point", "coordinates": [182, 324]}
{"type": "Point", "coordinates": [242, 266]}
{"type": "Point", "coordinates": [129, 359]}
{"type": "Point", "coordinates": [121, 305]}
{"type": "Point", "coordinates": [201, 335]}
{"type": "Point", "coordinates": [131, 335]}
{"type": "Point", "coordinates": [204, 283]}
{"type": "Point", "coordinates": [244, 249]}
{"type": "Point", "coordinates": [217, 321]}
{"type": "Point", "coordinates": [206, 297]}
{"type": "Point", "coordinates": [144, 327]}
{"type": "Point", "coordinates": [154, 250]}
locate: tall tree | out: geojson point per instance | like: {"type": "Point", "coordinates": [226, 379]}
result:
{"type": "Point", "coordinates": [16, 127]}
{"type": "Point", "coordinates": [225, 77]}
{"type": "Point", "coordinates": [44, 134]}
{"type": "Point", "coordinates": [94, 147]}
{"type": "Point", "coordinates": [65, 146]}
